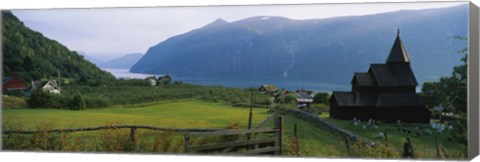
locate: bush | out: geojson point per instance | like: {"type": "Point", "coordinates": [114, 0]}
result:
{"type": "Point", "coordinates": [78, 102]}
{"type": "Point", "coordinates": [97, 102]}
{"type": "Point", "coordinates": [40, 99]}
{"type": "Point", "coordinates": [321, 98]}
{"type": "Point", "coordinates": [290, 98]}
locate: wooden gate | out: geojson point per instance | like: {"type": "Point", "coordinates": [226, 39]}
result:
{"type": "Point", "coordinates": [255, 141]}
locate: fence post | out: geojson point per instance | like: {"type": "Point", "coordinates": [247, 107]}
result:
{"type": "Point", "coordinates": [297, 141]}
{"type": "Point", "coordinates": [347, 144]}
{"type": "Point", "coordinates": [295, 130]}
{"type": "Point", "coordinates": [437, 150]}
{"type": "Point", "coordinates": [186, 140]}
{"type": "Point", "coordinates": [278, 125]}
{"type": "Point", "coordinates": [408, 149]}
{"type": "Point", "coordinates": [386, 139]}
{"type": "Point", "coordinates": [133, 131]}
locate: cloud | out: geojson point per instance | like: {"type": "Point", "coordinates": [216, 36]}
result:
{"type": "Point", "coordinates": [134, 30]}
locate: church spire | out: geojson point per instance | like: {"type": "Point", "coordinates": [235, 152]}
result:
{"type": "Point", "coordinates": [398, 54]}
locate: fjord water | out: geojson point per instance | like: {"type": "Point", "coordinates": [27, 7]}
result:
{"type": "Point", "coordinates": [289, 83]}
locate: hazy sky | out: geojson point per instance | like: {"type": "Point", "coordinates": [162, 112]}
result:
{"type": "Point", "coordinates": [116, 31]}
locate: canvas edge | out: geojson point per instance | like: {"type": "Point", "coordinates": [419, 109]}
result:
{"type": "Point", "coordinates": [473, 96]}
{"type": "Point", "coordinates": [473, 82]}
{"type": "Point", "coordinates": [1, 77]}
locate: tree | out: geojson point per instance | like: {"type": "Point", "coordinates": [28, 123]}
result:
{"type": "Point", "coordinates": [28, 64]}
{"type": "Point", "coordinates": [321, 98]}
{"type": "Point", "coordinates": [78, 102]}
{"type": "Point", "coordinates": [41, 99]}
{"type": "Point", "coordinates": [289, 99]}
{"type": "Point", "coordinates": [451, 93]}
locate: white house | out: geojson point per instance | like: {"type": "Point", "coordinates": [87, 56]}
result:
{"type": "Point", "coordinates": [46, 86]}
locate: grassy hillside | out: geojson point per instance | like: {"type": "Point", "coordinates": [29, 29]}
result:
{"type": "Point", "coordinates": [31, 56]}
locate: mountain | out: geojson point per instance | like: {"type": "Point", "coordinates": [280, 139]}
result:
{"type": "Point", "coordinates": [31, 56]}
{"type": "Point", "coordinates": [328, 50]}
{"type": "Point", "coordinates": [123, 62]}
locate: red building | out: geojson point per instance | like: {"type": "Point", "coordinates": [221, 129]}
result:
{"type": "Point", "coordinates": [13, 84]}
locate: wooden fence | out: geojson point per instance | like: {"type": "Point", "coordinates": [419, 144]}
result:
{"type": "Point", "coordinates": [133, 130]}
{"type": "Point", "coordinates": [255, 141]}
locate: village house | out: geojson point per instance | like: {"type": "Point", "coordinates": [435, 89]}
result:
{"type": "Point", "coordinates": [304, 98]}
{"type": "Point", "coordinates": [164, 80]}
{"type": "Point", "coordinates": [151, 80]}
{"type": "Point", "coordinates": [266, 88]}
{"type": "Point", "coordinates": [50, 86]}
{"type": "Point", "coordinates": [11, 84]}
{"type": "Point", "coordinates": [386, 92]}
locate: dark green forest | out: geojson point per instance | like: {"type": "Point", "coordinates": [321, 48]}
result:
{"type": "Point", "coordinates": [29, 55]}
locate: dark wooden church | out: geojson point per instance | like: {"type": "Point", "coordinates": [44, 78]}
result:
{"type": "Point", "coordinates": [386, 92]}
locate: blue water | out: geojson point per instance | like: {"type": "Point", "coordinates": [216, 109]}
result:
{"type": "Point", "coordinates": [247, 82]}
{"type": "Point", "coordinates": [279, 82]}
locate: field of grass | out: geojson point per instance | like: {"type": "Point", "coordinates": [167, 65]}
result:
{"type": "Point", "coordinates": [13, 102]}
{"type": "Point", "coordinates": [172, 114]}
{"type": "Point", "coordinates": [313, 141]}
{"type": "Point", "coordinates": [424, 145]}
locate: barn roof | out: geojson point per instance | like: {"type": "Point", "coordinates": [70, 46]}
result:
{"type": "Point", "coordinates": [363, 79]}
{"type": "Point", "coordinates": [398, 54]}
{"type": "Point", "coordinates": [399, 100]}
{"type": "Point", "coordinates": [393, 75]}
{"type": "Point", "coordinates": [7, 79]}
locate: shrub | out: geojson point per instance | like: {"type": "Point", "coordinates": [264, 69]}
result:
{"type": "Point", "coordinates": [321, 98]}
{"type": "Point", "coordinates": [78, 102]}
{"type": "Point", "coordinates": [40, 99]}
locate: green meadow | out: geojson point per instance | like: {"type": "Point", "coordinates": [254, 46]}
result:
{"type": "Point", "coordinates": [169, 114]}
{"type": "Point", "coordinates": [194, 113]}
{"type": "Point", "coordinates": [424, 145]}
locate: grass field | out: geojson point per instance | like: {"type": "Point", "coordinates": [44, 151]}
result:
{"type": "Point", "coordinates": [173, 114]}
{"type": "Point", "coordinates": [424, 145]}
{"type": "Point", "coordinates": [313, 141]}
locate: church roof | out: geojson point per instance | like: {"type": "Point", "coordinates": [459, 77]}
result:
{"type": "Point", "coordinates": [388, 75]}
{"type": "Point", "coordinates": [399, 100]}
{"type": "Point", "coordinates": [344, 98]}
{"type": "Point", "coordinates": [398, 54]}
{"type": "Point", "coordinates": [355, 99]}
{"type": "Point", "coordinates": [380, 100]}
{"type": "Point", "coordinates": [365, 99]}
{"type": "Point", "coordinates": [363, 79]}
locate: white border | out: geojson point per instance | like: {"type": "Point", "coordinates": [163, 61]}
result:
{"type": "Point", "coordinates": [44, 4]}
{"type": "Point", "coordinates": [73, 157]}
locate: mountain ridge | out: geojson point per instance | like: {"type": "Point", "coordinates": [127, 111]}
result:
{"type": "Point", "coordinates": [282, 47]}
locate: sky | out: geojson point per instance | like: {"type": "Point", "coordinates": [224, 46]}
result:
{"type": "Point", "coordinates": [113, 32]}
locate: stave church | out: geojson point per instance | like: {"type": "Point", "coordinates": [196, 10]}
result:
{"type": "Point", "coordinates": [386, 92]}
